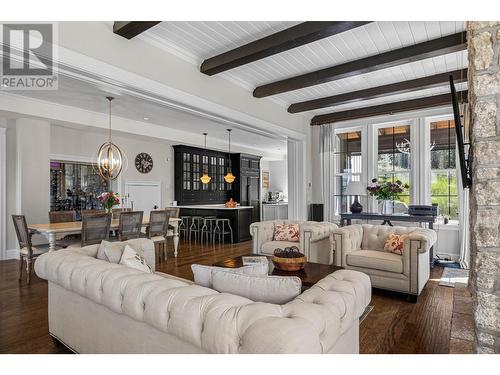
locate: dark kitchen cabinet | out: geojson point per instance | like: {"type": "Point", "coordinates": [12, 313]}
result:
{"type": "Point", "coordinates": [247, 185]}
{"type": "Point", "coordinates": [190, 163]}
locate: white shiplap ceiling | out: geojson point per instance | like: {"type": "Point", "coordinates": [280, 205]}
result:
{"type": "Point", "coordinates": [197, 41]}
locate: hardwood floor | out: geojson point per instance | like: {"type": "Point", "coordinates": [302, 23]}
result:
{"type": "Point", "coordinates": [440, 321]}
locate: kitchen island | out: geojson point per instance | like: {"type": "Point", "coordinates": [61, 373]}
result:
{"type": "Point", "coordinates": [240, 217]}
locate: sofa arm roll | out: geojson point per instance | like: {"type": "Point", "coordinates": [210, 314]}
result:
{"type": "Point", "coordinates": [317, 231]}
{"type": "Point", "coordinates": [427, 238]}
{"type": "Point", "coordinates": [345, 240]}
{"type": "Point", "coordinates": [262, 232]}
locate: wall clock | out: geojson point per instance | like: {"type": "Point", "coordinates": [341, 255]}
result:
{"type": "Point", "coordinates": [144, 162]}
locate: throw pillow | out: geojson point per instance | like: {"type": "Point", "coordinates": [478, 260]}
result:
{"type": "Point", "coordinates": [131, 259]}
{"type": "Point", "coordinates": [110, 251]}
{"type": "Point", "coordinates": [395, 243]}
{"type": "Point", "coordinates": [203, 274]}
{"type": "Point", "coordinates": [270, 289]}
{"type": "Point", "coordinates": [286, 232]}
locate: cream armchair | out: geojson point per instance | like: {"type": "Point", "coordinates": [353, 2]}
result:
{"type": "Point", "coordinates": [314, 239]}
{"type": "Point", "coordinates": [361, 248]}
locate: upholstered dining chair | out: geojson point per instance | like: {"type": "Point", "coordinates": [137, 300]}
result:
{"type": "Point", "coordinates": [65, 217]}
{"type": "Point", "coordinates": [158, 230]}
{"type": "Point", "coordinates": [27, 251]}
{"type": "Point", "coordinates": [130, 225]}
{"type": "Point", "coordinates": [95, 228]}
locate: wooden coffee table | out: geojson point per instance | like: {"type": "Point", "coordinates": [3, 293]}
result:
{"type": "Point", "coordinates": [310, 275]}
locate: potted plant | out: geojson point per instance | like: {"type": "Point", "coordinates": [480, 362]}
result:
{"type": "Point", "coordinates": [109, 200]}
{"type": "Point", "coordinates": [386, 192]}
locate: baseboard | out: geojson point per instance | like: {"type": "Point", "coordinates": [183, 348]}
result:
{"type": "Point", "coordinates": [12, 254]}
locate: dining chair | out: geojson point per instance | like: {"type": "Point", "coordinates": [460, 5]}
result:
{"type": "Point", "coordinates": [117, 211]}
{"type": "Point", "coordinates": [62, 216]}
{"type": "Point", "coordinates": [95, 228]}
{"type": "Point", "coordinates": [158, 230]}
{"type": "Point", "coordinates": [130, 225]}
{"type": "Point", "coordinates": [27, 251]}
{"type": "Point", "coordinates": [91, 212]}
{"type": "Point", "coordinates": [65, 217]}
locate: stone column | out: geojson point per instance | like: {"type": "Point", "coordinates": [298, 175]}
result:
{"type": "Point", "coordinates": [484, 89]}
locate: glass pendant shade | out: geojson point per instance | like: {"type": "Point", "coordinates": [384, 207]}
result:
{"type": "Point", "coordinates": [109, 155]}
{"type": "Point", "coordinates": [109, 161]}
{"type": "Point", "coordinates": [205, 178]}
{"type": "Point", "coordinates": [229, 177]}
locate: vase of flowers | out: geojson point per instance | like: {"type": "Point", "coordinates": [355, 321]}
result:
{"type": "Point", "coordinates": [109, 200]}
{"type": "Point", "coordinates": [385, 193]}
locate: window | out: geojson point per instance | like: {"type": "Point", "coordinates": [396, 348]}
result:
{"type": "Point", "coordinates": [394, 157]}
{"type": "Point", "coordinates": [443, 168]}
{"type": "Point", "coordinates": [348, 164]}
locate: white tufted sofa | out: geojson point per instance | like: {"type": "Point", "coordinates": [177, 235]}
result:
{"type": "Point", "coordinates": [361, 248]}
{"type": "Point", "coordinates": [101, 307]}
{"type": "Point", "coordinates": [314, 239]}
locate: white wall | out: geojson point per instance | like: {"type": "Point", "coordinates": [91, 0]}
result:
{"type": "Point", "coordinates": [278, 176]}
{"type": "Point", "coordinates": [84, 143]}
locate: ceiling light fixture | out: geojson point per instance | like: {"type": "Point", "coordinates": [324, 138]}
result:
{"type": "Point", "coordinates": [109, 155]}
{"type": "Point", "coordinates": [205, 179]}
{"type": "Point", "coordinates": [229, 177]}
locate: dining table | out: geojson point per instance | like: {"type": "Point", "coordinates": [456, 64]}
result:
{"type": "Point", "coordinates": [54, 231]}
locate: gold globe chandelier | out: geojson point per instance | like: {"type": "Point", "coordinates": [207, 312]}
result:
{"type": "Point", "coordinates": [229, 177]}
{"type": "Point", "coordinates": [109, 155]}
{"type": "Point", "coordinates": [205, 179]}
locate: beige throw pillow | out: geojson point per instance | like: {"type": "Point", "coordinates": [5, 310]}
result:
{"type": "Point", "coordinates": [203, 274]}
{"type": "Point", "coordinates": [110, 251]}
{"type": "Point", "coordinates": [270, 289]}
{"type": "Point", "coordinates": [131, 259]}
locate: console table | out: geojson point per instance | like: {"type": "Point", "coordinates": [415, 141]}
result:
{"type": "Point", "coordinates": [386, 219]}
{"type": "Point", "coordinates": [346, 217]}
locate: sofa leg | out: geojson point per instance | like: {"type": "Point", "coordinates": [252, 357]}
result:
{"type": "Point", "coordinates": [412, 298]}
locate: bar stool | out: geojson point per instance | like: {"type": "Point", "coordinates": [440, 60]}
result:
{"type": "Point", "coordinates": [195, 227]}
{"type": "Point", "coordinates": [208, 228]}
{"type": "Point", "coordinates": [222, 228]}
{"type": "Point", "coordinates": [184, 225]}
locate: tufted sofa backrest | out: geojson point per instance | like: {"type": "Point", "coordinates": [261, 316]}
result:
{"type": "Point", "coordinates": [215, 322]}
{"type": "Point", "coordinates": [375, 236]}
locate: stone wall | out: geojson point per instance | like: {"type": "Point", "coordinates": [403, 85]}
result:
{"type": "Point", "coordinates": [484, 89]}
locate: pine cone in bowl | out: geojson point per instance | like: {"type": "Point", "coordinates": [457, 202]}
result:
{"type": "Point", "coordinates": [289, 259]}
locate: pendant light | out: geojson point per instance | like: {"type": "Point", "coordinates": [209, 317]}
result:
{"type": "Point", "coordinates": [205, 179]}
{"type": "Point", "coordinates": [109, 155]}
{"type": "Point", "coordinates": [229, 177]}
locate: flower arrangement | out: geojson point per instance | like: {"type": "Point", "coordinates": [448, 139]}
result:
{"type": "Point", "coordinates": [109, 200]}
{"type": "Point", "coordinates": [387, 189]}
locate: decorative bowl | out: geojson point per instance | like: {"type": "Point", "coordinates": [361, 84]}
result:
{"type": "Point", "coordinates": [289, 259]}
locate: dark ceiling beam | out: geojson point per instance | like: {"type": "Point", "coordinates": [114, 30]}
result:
{"type": "Point", "coordinates": [405, 55]}
{"type": "Point", "coordinates": [129, 29]}
{"type": "Point", "coordinates": [387, 109]}
{"type": "Point", "coordinates": [380, 91]}
{"type": "Point", "coordinates": [292, 37]}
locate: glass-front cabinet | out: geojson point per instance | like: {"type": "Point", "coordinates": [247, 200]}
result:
{"type": "Point", "coordinates": [190, 164]}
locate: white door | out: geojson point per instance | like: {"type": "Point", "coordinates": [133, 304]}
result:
{"type": "Point", "coordinates": [143, 196]}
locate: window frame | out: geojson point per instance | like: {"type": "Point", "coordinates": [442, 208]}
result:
{"type": "Point", "coordinates": [364, 163]}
